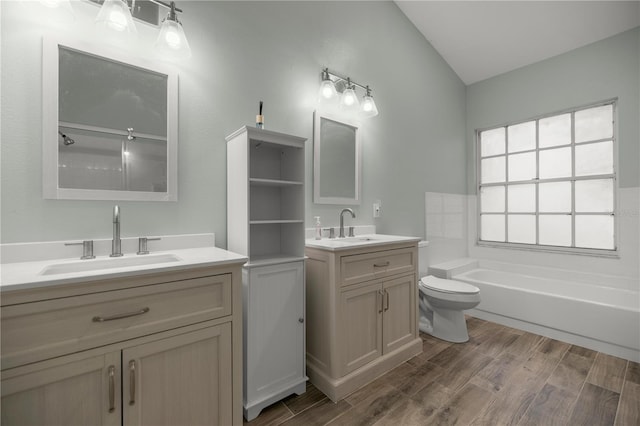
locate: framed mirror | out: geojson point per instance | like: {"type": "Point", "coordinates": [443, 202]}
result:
{"type": "Point", "coordinates": [110, 125]}
{"type": "Point", "coordinates": [336, 160]}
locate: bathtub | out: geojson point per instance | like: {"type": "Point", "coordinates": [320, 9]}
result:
{"type": "Point", "coordinates": [603, 318]}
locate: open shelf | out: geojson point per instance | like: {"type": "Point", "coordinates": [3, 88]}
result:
{"type": "Point", "coordinates": [274, 182]}
{"type": "Point", "coordinates": [265, 195]}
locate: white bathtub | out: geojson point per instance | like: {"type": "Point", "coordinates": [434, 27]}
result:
{"type": "Point", "coordinates": [603, 318]}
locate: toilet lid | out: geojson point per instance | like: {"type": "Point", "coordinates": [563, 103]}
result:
{"type": "Point", "coordinates": [448, 286]}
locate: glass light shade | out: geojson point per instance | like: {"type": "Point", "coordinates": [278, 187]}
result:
{"type": "Point", "coordinates": [327, 91]}
{"type": "Point", "coordinates": [115, 16]}
{"type": "Point", "coordinates": [349, 100]}
{"type": "Point", "coordinates": [368, 107]}
{"type": "Point", "coordinates": [171, 41]}
{"type": "Point", "coordinates": [58, 9]}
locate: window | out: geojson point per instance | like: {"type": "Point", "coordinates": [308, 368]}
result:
{"type": "Point", "coordinates": [550, 182]}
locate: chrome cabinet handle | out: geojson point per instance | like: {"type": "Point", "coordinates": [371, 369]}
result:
{"type": "Point", "coordinates": [381, 265]}
{"type": "Point", "coordinates": [386, 300]}
{"type": "Point", "coordinates": [112, 388]}
{"type": "Point", "coordinates": [120, 316]}
{"type": "Point", "coordinates": [132, 382]}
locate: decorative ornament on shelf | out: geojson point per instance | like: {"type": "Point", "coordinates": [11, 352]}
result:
{"type": "Point", "coordinates": [260, 117]}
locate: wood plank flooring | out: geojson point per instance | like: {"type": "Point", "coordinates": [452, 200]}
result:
{"type": "Point", "coordinates": [502, 376]}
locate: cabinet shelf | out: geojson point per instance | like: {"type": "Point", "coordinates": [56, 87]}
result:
{"type": "Point", "coordinates": [273, 259]}
{"type": "Point", "coordinates": [274, 182]}
{"type": "Point", "coordinates": [275, 221]}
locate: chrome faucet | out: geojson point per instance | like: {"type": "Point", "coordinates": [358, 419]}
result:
{"type": "Point", "coordinates": [116, 249]}
{"type": "Point", "coordinates": [353, 215]}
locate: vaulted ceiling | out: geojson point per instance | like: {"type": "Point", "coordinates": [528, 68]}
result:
{"type": "Point", "coordinates": [481, 39]}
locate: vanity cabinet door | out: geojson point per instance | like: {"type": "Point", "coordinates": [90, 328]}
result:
{"type": "Point", "coordinates": [66, 391]}
{"type": "Point", "coordinates": [360, 326]}
{"type": "Point", "coordinates": [185, 379]}
{"type": "Point", "coordinates": [399, 310]}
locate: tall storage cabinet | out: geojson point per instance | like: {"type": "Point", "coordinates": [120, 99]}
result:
{"type": "Point", "coordinates": [265, 221]}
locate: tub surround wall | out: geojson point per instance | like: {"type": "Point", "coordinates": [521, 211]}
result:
{"type": "Point", "coordinates": [446, 226]}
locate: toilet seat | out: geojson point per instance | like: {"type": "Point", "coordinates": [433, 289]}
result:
{"type": "Point", "coordinates": [447, 286]}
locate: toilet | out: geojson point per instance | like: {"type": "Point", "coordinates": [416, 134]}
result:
{"type": "Point", "coordinates": [443, 302]}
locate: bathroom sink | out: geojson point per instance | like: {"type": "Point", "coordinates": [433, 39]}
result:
{"type": "Point", "coordinates": [108, 263]}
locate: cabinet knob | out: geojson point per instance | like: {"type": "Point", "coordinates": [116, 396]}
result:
{"type": "Point", "coordinates": [300, 320]}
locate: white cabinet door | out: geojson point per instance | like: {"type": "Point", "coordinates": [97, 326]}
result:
{"type": "Point", "coordinates": [81, 392]}
{"type": "Point", "coordinates": [274, 331]}
{"type": "Point", "coordinates": [181, 380]}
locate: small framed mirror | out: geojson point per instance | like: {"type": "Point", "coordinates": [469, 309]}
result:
{"type": "Point", "coordinates": [336, 160]}
{"type": "Point", "coordinates": [110, 125]}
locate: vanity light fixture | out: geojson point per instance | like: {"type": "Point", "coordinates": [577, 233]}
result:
{"type": "Point", "coordinates": [348, 99]}
{"type": "Point", "coordinates": [171, 40]}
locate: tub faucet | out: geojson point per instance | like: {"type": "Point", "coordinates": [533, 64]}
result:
{"type": "Point", "coordinates": [353, 215]}
{"type": "Point", "coordinates": [116, 249]}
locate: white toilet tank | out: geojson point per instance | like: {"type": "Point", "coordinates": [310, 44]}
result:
{"type": "Point", "coordinates": [423, 258]}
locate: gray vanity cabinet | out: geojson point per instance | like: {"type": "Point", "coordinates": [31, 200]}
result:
{"type": "Point", "coordinates": [362, 318]}
{"type": "Point", "coordinates": [265, 221]}
{"type": "Point", "coordinates": [184, 378]}
{"type": "Point", "coordinates": [156, 349]}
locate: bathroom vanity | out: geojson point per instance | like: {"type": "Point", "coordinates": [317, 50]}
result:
{"type": "Point", "coordinates": [362, 316]}
{"type": "Point", "coordinates": [155, 344]}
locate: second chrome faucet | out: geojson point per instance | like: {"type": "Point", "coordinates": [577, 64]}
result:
{"type": "Point", "coordinates": [353, 215]}
{"type": "Point", "coordinates": [116, 243]}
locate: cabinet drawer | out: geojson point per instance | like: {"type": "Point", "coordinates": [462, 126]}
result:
{"type": "Point", "coordinates": [40, 330]}
{"type": "Point", "coordinates": [363, 267]}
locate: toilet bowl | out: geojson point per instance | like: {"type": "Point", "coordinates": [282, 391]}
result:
{"type": "Point", "coordinates": [442, 303]}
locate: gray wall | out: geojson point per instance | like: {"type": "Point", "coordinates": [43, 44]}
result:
{"type": "Point", "coordinates": [244, 52]}
{"type": "Point", "coordinates": [600, 71]}
{"type": "Point", "coordinates": [604, 70]}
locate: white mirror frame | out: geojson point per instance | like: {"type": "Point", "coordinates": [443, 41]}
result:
{"type": "Point", "coordinates": [317, 152]}
{"type": "Point", "coordinates": [50, 123]}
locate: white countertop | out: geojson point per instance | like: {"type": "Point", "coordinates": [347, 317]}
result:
{"type": "Point", "coordinates": [27, 275]}
{"type": "Point", "coordinates": [359, 241]}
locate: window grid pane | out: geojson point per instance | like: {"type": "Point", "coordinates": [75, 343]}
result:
{"type": "Point", "coordinates": [572, 202]}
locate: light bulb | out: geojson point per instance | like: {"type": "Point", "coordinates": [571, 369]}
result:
{"type": "Point", "coordinates": [115, 16]}
{"type": "Point", "coordinates": [51, 3]}
{"type": "Point", "coordinates": [59, 10]}
{"type": "Point", "coordinates": [171, 41]}
{"type": "Point", "coordinates": [328, 91]}
{"type": "Point", "coordinates": [117, 21]}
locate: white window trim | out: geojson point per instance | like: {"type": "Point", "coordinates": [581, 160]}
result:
{"type": "Point", "coordinates": [610, 253]}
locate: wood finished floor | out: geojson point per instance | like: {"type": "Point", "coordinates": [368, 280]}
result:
{"type": "Point", "coordinates": [502, 376]}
